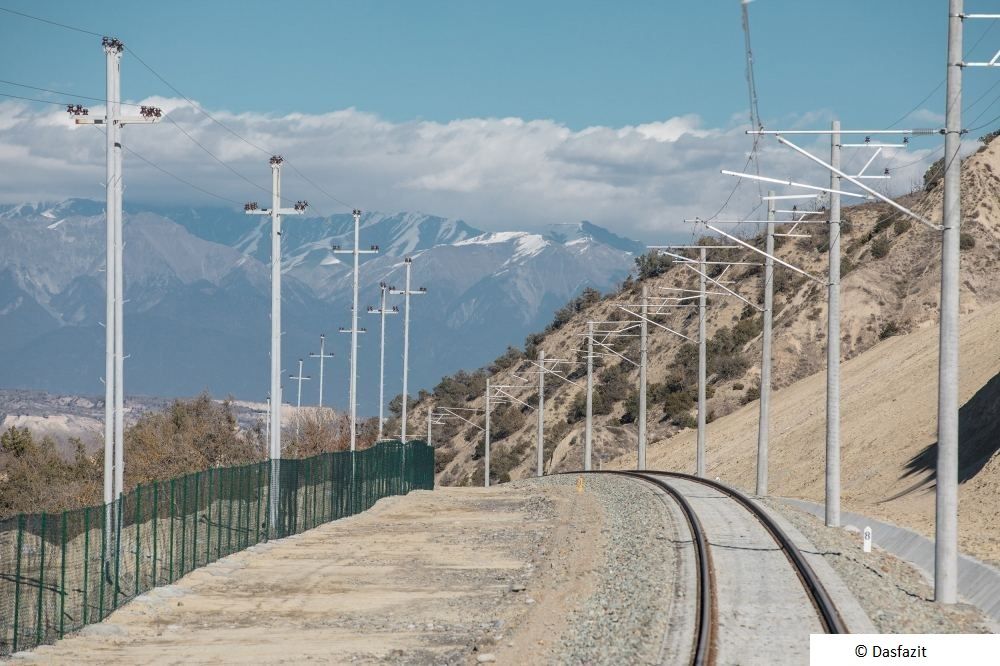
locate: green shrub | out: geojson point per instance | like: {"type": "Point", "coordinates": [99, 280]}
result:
{"type": "Point", "coordinates": [966, 241]}
{"type": "Point", "coordinates": [652, 264]}
{"type": "Point", "coordinates": [880, 247]}
{"type": "Point", "coordinates": [889, 329]}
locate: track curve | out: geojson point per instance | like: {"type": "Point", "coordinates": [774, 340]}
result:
{"type": "Point", "coordinates": [707, 635]}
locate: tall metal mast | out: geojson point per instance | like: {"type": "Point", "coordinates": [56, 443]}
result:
{"type": "Point", "coordinates": [354, 330]}
{"type": "Point", "coordinates": [382, 311]}
{"type": "Point", "coordinates": [406, 292]}
{"type": "Point", "coordinates": [275, 213]}
{"type": "Point", "coordinates": [322, 356]}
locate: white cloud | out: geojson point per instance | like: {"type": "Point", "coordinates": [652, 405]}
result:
{"type": "Point", "coordinates": [496, 173]}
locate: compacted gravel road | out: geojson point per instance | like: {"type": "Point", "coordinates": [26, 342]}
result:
{"type": "Point", "coordinates": [562, 570]}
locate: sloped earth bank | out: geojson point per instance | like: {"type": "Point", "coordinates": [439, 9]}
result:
{"type": "Point", "coordinates": [532, 572]}
{"type": "Point", "coordinates": [888, 435]}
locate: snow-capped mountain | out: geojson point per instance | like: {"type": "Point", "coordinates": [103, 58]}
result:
{"type": "Point", "coordinates": [197, 286]}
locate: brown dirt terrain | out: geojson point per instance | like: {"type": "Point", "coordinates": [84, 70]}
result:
{"type": "Point", "coordinates": [441, 577]}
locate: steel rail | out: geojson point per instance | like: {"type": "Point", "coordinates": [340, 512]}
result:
{"type": "Point", "coordinates": [706, 622]}
{"type": "Point", "coordinates": [817, 593]}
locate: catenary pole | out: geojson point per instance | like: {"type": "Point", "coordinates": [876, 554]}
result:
{"type": "Point", "coordinates": [700, 452]}
{"type": "Point", "coordinates": [116, 129]}
{"type": "Point", "coordinates": [540, 436]}
{"type": "Point", "coordinates": [322, 356]}
{"type": "Point", "coordinates": [382, 311]}
{"type": "Point", "coordinates": [763, 426]}
{"type": "Point", "coordinates": [356, 251]}
{"type": "Point", "coordinates": [114, 396]}
{"type": "Point", "coordinates": [946, 503]}
{"type": "Point", "coordinates": [113, 52]}
{"type": "Point", "coordinates": [833, 342]}
{"type": "Point", "coordinates": [643, 352]}
{"type": "Point", "coordinates": [298, 402]}
{"type": "Point", "coordinates": [406, 292]}
{"type": "Point", "coordinates": [276, 399]}
{"type": "Point", "coordinates": [588, 449]}
{"type": "Point", "coordinates": [354, 335]}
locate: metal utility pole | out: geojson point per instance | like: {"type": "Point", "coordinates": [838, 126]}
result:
{"type": "Point", "coordinates": [275, 213]}
{"type": "Point", "coordinates": [354, 330]}
{"type": "Point", "coordinates": [486, 434]}
{"type": "Point", "coordinates": [764, 423]}
{"type": "Point", "coordinates": [540, 437]}
{"type": "Point", "coordinates": [588, 449]}
{"type": "Point", "coordinates": [946, 504]}
{"type": "Point", "coordinates": [322, 356]}
{"type": "Point", "coordinates": [114, 365]}
{"type": "Point", "coordinates": [700, 452]}
{"type": "Point", "coordinates": [298, 403]}
{"type": "Point", "coordinates": [643, 353]}
{"type": "Point", "coordinates": [382, 311]}
{"type": "Point", "coordinates": [430, 420]}
{"type": "Point", "coordinates": [833, 341]}
{"type": "Point", "coordinates": [406, 292]}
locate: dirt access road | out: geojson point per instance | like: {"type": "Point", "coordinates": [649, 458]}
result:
{"type": "Point", "coordinates": [447, 576]}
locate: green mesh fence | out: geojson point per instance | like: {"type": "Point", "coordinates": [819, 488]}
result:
{"type": "Point", "coordinates": [61, 571]}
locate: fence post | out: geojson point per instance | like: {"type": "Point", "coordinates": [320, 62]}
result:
{"type": "Point", "coordinates": [62, 581]}
{"type": "Point", "coordinates": [17, 578]}
{"type": "Point", "coordinates": [41, 582]}
{"type": "Point", "coordinates": [184, 506]}
{"type": "Point", "coordinates": [247, 503]}
{"type": "Point", "coordinates": [172, 509]}
{"type": "Point", "coordinates": [239, 508]}
{"type": "Point", "coordinates": [156, 511]}
{"type": "Point", "coordinates": [229, 518]}
{"type": "Point", "coordinates": [138, 536]}
{"type": "Point", "coordinates": [258, 493]}
{"type": "Point", "coordinates": [86, 560]}
{"type": "Point", "coordinates": [118, 548]}
{"type": "Point", "coordinates": [194, 540]}
{"type": "Point", "coordinates": [103, 574]}
{"type": "Point", "coordinates": [218, 513]}
{"type": "Point", "coordinates": [208, 514]}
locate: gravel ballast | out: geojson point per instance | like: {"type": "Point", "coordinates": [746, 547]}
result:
{"type": "Point", "coordinates": [893, 593]}
{"type": "Point", "coordinates": [625, 618]}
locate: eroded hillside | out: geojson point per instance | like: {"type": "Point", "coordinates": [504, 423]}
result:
{"type": "Point", "coordinates": [890, 288]}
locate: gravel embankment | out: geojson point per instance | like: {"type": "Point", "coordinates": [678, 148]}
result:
{"type": "Point", "coordinates": [625, 618]}
{"type": "Point", "coordinates": [894, 594]}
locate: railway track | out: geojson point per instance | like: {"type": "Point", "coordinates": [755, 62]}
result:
{"type": "Point", "coordinates": [735, 538]}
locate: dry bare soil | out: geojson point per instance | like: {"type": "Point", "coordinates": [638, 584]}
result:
{"type": "Point", "coordinates": [435, 577]}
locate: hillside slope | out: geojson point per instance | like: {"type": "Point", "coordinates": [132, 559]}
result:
{"type": "Point", "coordinates": [890, 289]}
{"type": "Point", "coordinates": [888, 435]}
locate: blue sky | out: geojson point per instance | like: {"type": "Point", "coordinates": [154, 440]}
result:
{"type": "Point", "coordinates": [418, 69]}
{"type": "Point", "coordinates": [580, 63]}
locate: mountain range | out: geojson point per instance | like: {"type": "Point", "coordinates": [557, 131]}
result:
{"type": "Point", "coordinates": [197, 305]}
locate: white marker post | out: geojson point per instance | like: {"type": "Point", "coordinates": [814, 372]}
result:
{"type": "Point", "coordinates": [867, 540]}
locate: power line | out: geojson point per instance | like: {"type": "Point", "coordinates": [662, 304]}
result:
{"type": "Point", "coordinates": [194, 104]}
{"type": "Point", "coordinates": [50, 22]}
{"type": "Point", "coordinates": [226, 127]}
{"type": "Point", "coordinates": [941, 83]}
{"type": "Point", "coordinates": [171, 174]}
{"type": "Point", "coordinates": [32, 99]}
{"type": "Point", "coordinates": [165, 117]}
{"type": "Point", "coordinates": [62, 92]}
